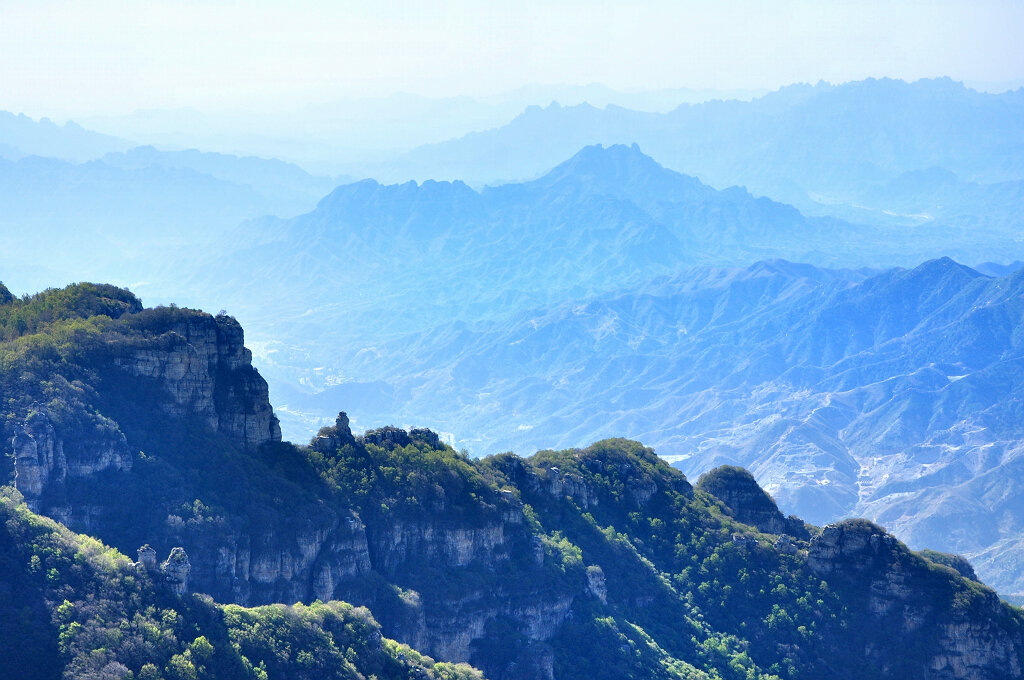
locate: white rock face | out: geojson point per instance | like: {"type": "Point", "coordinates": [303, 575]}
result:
{"type": "Point", "coordinates": [38, 455]}
{"type": "Point", "coordinates": [449, 546]}
{"type": "Point", "coordinates": [41, 457]}
{"type": "Point", "coordinates": [204, 365]}
{"type": "Point", "coordinates": [176, 569]}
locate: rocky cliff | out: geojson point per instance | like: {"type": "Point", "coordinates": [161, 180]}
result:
{"type": "Point", "coordinates": [41, 458]}
{"type": "Point", "coordinates": [192, 367]}
{"type": "Point", "coordinates": [894, 589]}
{"type": "Point", "coordinates": [201, 362]}
{"type": "Point", "coordinates": [748, 502]}
{"type": "Point", "coordinates": [74, 608]}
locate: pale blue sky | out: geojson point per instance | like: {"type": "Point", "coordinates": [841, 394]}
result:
{"type": "Point", "coordinates": [63, 58]}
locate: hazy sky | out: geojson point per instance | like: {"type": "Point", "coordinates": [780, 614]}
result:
{"type": "Point", "coordinates": [62, 58]}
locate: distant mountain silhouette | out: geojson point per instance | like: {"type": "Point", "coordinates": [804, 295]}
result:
{"type": "Point", "coordinates": [606, 218]}
{"type": "Point", "coordinates": [814, 137]}
{"type": "Point", "coordinates": [117, 218]}
{"type": "Point", "coordinates": [875, 151]}
{"type": "Point", "coordinates": [22, 136]}
{"type": "Point", "coordinates": [290, 188]}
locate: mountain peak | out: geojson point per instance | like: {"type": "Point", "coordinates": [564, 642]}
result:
{"type": "Point", "coordinates": [945, 266]}
{"type": "Point", "coordinates": [598, 158]}
{"type": "Point", "coordinates": [621, 170]}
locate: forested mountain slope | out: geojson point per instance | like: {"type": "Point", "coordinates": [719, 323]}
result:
{"type": "Point", "coordinates": [75, 608]}
{"type": "Point", "coordinates": [150, 426]}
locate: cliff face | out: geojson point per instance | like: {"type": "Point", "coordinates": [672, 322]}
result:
{"type": "Point", "coordinates": [96, 614]}
{"type": "Point", "coordinates": [192, 365]}
{"type": "Point", "coordinates": [41, 457]}
{"type": "Point", "coordinates": [896, 589]}
{"type": "Point", "coordinates": [203, 364]}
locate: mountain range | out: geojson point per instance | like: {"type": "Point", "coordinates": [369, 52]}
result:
{"type": "Point", "coordinates": [150, 430]}
{"type": "Point", "coordinates": [607, 298]}
{"type": "Point", "coordinates": [604, 219]}
{"type": "Point", "coordinates": [113, 217]}
{"type": "Point", "coordinates": [22, 136]}
{"type": "Point", "coordinates": [799, 140]}
{"type": "Point", "coordinates": [873, 151]}
{"type": "Point", "coordinates": [778, 310]}
{"type": "Point", "coordinates": [891, 395]}
{"type": "Point", "coordinates": [619, 294]}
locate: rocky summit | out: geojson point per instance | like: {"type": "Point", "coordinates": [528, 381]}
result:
{"type": "Point", "coordinates": [149, 427]}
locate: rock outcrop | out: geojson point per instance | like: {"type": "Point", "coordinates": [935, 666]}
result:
{"type": "Point", "coordinates": [284, 562]}
{"type": "Point", "coordinates": [596, 584]}
{"type": "Point", "coordinates": [191, 364]}
{"type": "Point", "coordinates": [747, 501]}
{"type": "Point", "coordinates": [899, 590]}
{"type": "Point", "coordinates": [175, 570]}
{"type": "Point", "coordinates": [391, 437]}
{"type": "Point", "coordinates": [147, 558]}
{"type": "Point", "coordinates": [46, 454]}
{"type": "Point", "coordinates": [203, 364]}
{"type": "Point", "coordinates": [329, 439]}
{"type": "Point", "coordinates": [38, 457]}
{"type": "Point", "coordinates": [851, 546]}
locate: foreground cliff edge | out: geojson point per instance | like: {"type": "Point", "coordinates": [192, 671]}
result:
{"type": "Point", "coordinates": [150, 427]}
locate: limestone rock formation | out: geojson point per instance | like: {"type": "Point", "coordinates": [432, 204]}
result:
{"type": "Point", "coordinates": [388, 437]}
{"type": "Point", "coordinates": [45, 453]}
{"type": "Point", "coordinates": [147, 558]}
{"type": "Point", "coordinates": [202, 362]}
{"type": "Point", "coordinates": [428, 437]}
{"type": "Point", "coordinates": [394, 437]}
{"type": "Point", "coordinates": [596, 585]}
{"type": "Point", "coordinates": [329, 439]}
{"type": "Point", "coordinates": [903, 591]}
{"type": "Point", "coordinates": [313, 558]}
{"type": "Point", "coordinates": [176, 569]}
{"type": "Point", "coordinates": [38, 455]}
{"type": "Point", "coordinates": [851, 546]}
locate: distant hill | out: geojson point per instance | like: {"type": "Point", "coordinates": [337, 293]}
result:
{"type": "Point", "coordinates": [356, 132]}
{"type": "Point", "coordinates": [24, 136]}
{"type": "Point", "coordinates": [802, 138]}
{"type": "Point", "coordinates": [288, 188]}
{"type": "Point", "coordinates": [606, 218]}
{"type": "Point", "coordinates": [116, 217]}
{"type": "Point", "coordinates": [870, 151]}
